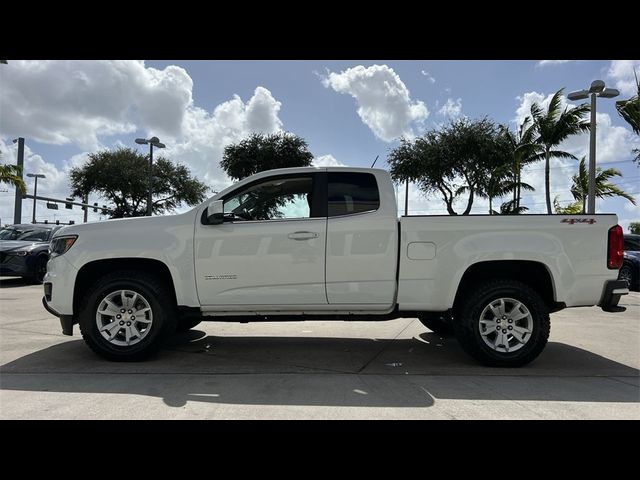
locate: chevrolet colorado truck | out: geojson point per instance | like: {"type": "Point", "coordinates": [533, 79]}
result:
{"type": "Point", "coordinates": [326, 243]}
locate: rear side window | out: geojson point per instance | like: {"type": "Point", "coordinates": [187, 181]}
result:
{"type": "Point", "coordinates": [351, 192]}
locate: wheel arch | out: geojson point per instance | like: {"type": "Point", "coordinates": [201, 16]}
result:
{"type": "Point", "coordinates": [98, 268]}
{"type": "Point", "coordinates": [534, 274]}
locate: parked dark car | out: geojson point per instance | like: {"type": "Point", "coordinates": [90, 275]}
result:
{"type": "Point", "coordinates": [630, 270]}
{"type": "Point", "coordinates": [24, 250]}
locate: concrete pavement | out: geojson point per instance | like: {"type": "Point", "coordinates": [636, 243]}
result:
{"type": "Point", "coordinates": [393, 370]}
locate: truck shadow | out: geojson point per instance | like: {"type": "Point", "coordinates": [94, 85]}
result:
{"type": "Point", "coordinates": [329, 371]}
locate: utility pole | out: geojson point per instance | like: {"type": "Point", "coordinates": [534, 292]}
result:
{"type": "Point", "coordinates": [17, 208]}
{"type": "Point", "coordinates": [406, 199]}
{"type": "Point", "coordinates": [85, 200]}
{"type": "Point", "coordinates": [35, 192]}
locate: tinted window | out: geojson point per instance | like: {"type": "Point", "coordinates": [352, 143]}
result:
{"type": "Point", "coordinates": [272, 199]}
{"type": "Point", "coordinates": [352, 193]}
{"type": "Point", "coordinates": [33, 234]}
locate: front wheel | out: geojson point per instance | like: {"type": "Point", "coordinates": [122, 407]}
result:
{"type": "Point", "coordinates": [127, 316]}
{"type": "Point", "coordinates": [503, 323]}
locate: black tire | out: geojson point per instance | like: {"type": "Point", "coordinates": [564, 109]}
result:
{"type": "Point", "coordinates": [162, 307]}
{"type": "Point", "coordinates": [187, 323]}
{"type": "Point", "coordinates": [39, 269]}
{"type": "Point", "coordinates": [437, 324]}
{"type": "Point", "coordinates": [467, 323]}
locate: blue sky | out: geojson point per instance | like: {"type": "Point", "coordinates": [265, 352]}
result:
{"type": "Point", "coordinates": [348, 111]}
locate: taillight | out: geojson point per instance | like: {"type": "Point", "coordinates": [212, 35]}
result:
{"type": "Point", "coordinates": [615, 251]}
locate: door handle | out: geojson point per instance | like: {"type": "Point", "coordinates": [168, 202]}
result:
{"type": "Point", "coordinates": [302, 235]}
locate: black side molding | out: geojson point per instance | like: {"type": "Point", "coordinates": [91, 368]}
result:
{"type": "Point", "coordinates": [613, 290]}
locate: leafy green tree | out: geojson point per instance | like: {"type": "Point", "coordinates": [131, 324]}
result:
{"type": "Point", "coordinates": [121, 176]}
{"type": "Point", "coordinates": [634, 227]}
{"type": "Point", "coordinates": [550, 129]}
{"type": "Point", "coordinates": [520, 144]}
{"type": "Point", "coordinates": [262, 152]}
{"type": "Point", "coordinates": [453, 161]}
{"type": "Point", "coordinates": [603, 188]}
{"type": "Point", "coordinates": [512, 208]}
{"type": "Point", "coordinates": [573, 208]}
{"type": "Point", "coordinates": [10, 174]}
{"type": "Point", "coordinates": [630, 111]}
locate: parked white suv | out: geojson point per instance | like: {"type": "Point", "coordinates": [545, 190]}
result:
{"type": "Point", "coordinates": [326, 243]}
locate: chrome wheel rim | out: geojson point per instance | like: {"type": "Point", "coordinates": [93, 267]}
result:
{"type": "Point", "coordinates": [506, 325]}
{"type": "Point", "coordinates": [124, 318]}
{"type": "Point", "coordinates": [625, 274]}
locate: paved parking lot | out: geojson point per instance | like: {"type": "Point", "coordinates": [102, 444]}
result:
{"type": "Point", "coordinates": [323, 370]}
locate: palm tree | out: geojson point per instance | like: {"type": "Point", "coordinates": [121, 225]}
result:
{"type": "Point", "coordinates": [11, 174]}
{"type": "Point", "coordinates": [630, 111]}
{"type": "Point", "coordinates": [603, 188]}
{"type": "Point", "coordinates": [551, 128]}
{"type": "Point", "coordinates": [520, 144]}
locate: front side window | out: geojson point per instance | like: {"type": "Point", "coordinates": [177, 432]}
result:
{"type": "Point", "coordinates": [352, 192]}
{"type": "Point", "coordinates": [25, 233]}
{"type": "Point", "coordinates": [273, 199]}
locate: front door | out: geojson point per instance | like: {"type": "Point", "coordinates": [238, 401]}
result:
{"type": "Point", "coordinates": [269, 251]}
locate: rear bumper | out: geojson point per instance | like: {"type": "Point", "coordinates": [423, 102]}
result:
{"type": "Point", "coordinates": [66, 321]}
{"type": "Point", "coordinates": [611, 293]}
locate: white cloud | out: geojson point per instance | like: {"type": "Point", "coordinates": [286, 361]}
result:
{"type": "Point", "coordinates": [76, 101]}
{"type": "Point", "coordinates": [621, 72]}
{"type": "Point", "coordinates": [613, 143]}
{"type": "Point", "coordinates": [327, 161]}
{"type": "Point", "coordinates": [429, 76]}
{"type": "Point", "coordinates": [199, 145]}
{"type": "Point", "coordinates": [451, 108]}
{"type": "Point", "coordinates": [543, 63]}
{"type": "Point", "coordinates": [384, 102]}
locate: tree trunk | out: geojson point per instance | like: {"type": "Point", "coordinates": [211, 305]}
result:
{"type": "Point", "coordinates": [469, 202]}
{"type": "Point", "coordinates": [584, 204]}
{"type": "Point", "coordinates": [519, 182]}
{"type": "Point", "coordinates": [546, 181]}
{"type": "Point", "coordinates": [490, 205]}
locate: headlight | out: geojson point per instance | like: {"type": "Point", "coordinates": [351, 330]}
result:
{"type": "Point", "coordinates": [19, 253]}
{"type": "Point", "coordinates": [61, 245]}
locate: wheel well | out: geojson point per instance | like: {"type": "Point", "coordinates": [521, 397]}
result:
{"type": "Point", "coordinates": [533, 274]}
{"type": "Point", "coordinates": [94, 270]}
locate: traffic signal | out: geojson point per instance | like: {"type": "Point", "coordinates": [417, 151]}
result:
{"type": "Point", "coordinates": [68, 206]}
{"type": "Point", "coordinates": [95, 207]}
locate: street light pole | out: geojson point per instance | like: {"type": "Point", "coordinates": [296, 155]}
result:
{"type": "Point", "coordinates": [17, 206]}
{"type": "Point", "coordinates": [597, 89]}
{"type": "Point", "coordinates": [591, 206]}
{"type": "Point", "coordinates": [35, 192]}
{"type": "Point", "coordinates": [153, 141]}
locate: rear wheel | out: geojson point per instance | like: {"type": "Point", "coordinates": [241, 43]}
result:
{"type": "Point", "coordinates": [503, 323]}
{"type": "Point", "coordinates": [127, 316]}
{"type": "Point", "coordinates": [627, 273]}
{"type": "Point", "coordinates": [439, 324]}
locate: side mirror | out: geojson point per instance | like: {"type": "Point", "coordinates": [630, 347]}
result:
{"type": "Point", "coordinates": [215, 212]}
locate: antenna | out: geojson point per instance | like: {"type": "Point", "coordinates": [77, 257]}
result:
{"type": "Point", "coordinates": [374, 162]}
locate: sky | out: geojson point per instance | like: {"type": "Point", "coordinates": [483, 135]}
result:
{"type": "Point", "coordinates": [349, 112]}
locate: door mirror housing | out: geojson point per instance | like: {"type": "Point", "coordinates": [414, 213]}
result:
{"type": "Point", "coordinates": [215, 212]}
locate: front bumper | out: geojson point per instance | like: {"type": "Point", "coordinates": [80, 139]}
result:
{"type": "Point", "coordinates": [611, 293]}
{"type": "Point", "coordinates": [66, 321]}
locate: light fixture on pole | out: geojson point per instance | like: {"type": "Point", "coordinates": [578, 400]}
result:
{"type": "Point", "coordinates": [153, 142]}
{"type": "Point", "coordinates": [35, 192]}
{"type": "Point", "coordinates": [597, 89]}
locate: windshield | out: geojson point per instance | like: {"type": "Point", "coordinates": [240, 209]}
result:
{"type": "Point", "coordinates": [33, 234]}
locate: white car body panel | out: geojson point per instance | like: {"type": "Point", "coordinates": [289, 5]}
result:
{"type": "Point", "coordinates": [359, 271]}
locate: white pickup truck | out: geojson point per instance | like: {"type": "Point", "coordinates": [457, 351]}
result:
{"type": "Point", "coordinates": [326, 243]}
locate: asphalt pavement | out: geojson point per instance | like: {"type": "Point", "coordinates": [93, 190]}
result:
{"type": "Point", "coordinates": [316, 370]}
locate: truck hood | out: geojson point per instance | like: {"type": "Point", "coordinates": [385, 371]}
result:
{"type": "Point", "coordinates": [119, 226]}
